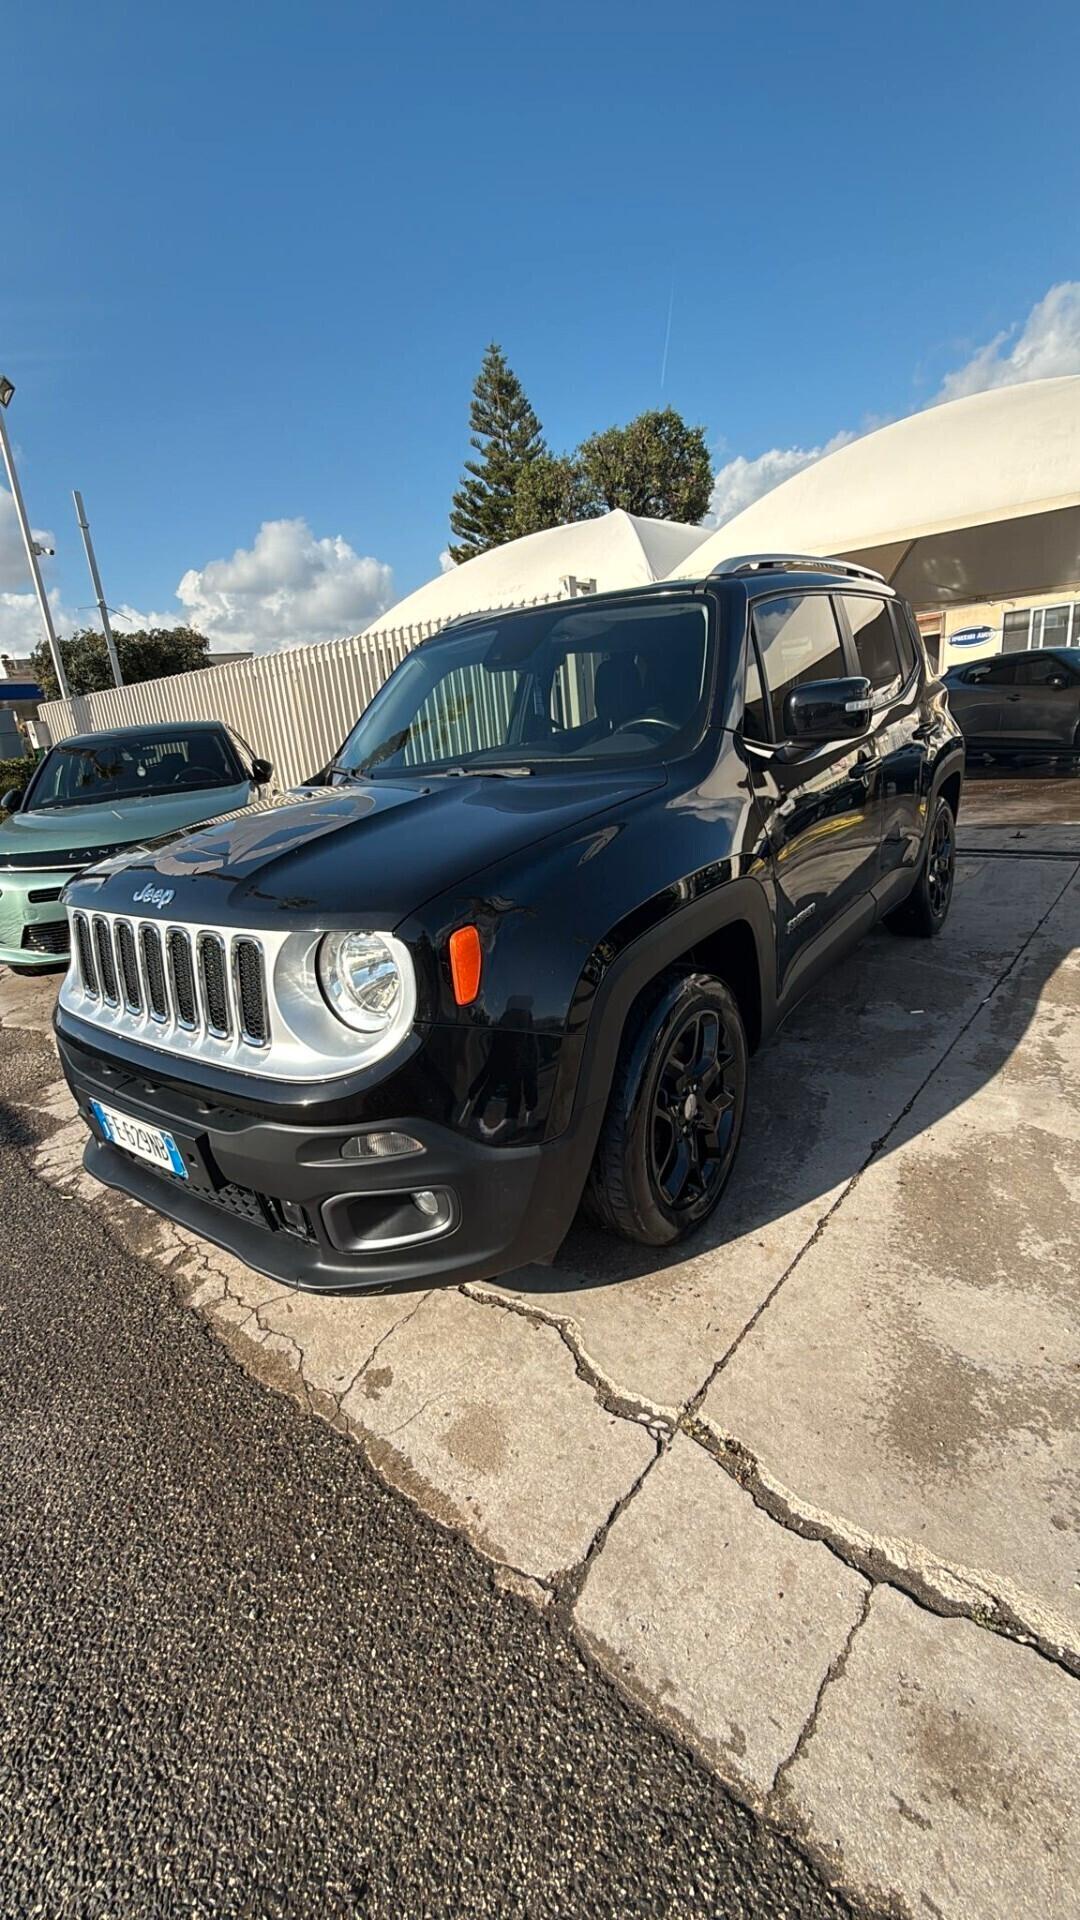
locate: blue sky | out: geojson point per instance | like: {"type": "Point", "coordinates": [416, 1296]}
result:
{"type": "Point", "coordinates": [253, 255]}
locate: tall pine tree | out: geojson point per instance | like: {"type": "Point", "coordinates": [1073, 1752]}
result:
{"type": "Point", "coordinates": [506, 435]}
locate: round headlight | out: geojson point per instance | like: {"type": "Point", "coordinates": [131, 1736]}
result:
{"type": "Point", "coordinates": [361, 979]}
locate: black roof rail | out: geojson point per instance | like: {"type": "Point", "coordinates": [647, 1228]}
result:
{"type": "Point", "coordinates": [792, 563]}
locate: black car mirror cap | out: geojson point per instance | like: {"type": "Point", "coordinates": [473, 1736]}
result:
{"type": "Point", "coordinates": [261, 772]}
{"type": "Point", "coordinates": [829, 709]}
{"type": "Point", "coordinates": [11, 801]}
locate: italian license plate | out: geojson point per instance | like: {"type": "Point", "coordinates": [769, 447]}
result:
{"type": "Point", "coordinates": [148, 1143]}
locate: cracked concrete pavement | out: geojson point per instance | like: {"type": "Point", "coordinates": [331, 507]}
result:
{"type": "Point", "coordinates": [806, 1488]}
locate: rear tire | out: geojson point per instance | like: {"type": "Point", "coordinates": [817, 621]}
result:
{"type": "Point", "coordinates": [675, 1114]}
{"type": "Point", "coordinates": [924, 912]}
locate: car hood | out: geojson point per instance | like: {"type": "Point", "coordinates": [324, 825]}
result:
{"type": "Point", "coordinates": [369, 853]}
{"type": "Point", "coordinates": [66, 836]}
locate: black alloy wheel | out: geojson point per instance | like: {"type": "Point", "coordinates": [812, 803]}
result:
{"type": "Point", "coordinates": [941, 862]}
{"type": "Point", "coordinates": [693, 1114]}
{"type": "Point", "coordinates": [675, 1114]}
{"type": "Point", "coordinates": [926, 908]}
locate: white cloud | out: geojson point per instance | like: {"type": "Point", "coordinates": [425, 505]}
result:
{"type": "Point", "coordinates": [1047, 343]}
{"type": "Point", "coordinates": [447, 563]}
{"type": "Point", "coordinates": [20, 619]}
{"type": "Point", "coordinates": [14, 573]}
{"type": "Point", "coordinates": [288, 589]}
{"type": "Point", "coordinates": [741, 481]}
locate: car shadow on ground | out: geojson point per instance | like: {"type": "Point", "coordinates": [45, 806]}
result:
{"type": "Point", "coordinates": [835, 1084]}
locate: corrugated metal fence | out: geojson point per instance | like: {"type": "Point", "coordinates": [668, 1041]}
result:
{"type": "Point", "coordinates": [294, 708]}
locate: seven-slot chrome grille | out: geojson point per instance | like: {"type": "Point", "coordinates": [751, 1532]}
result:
{"type": "Point", "coordinates": [197, 980]}
{"type": "Point", "coordinates": [240, 1000]}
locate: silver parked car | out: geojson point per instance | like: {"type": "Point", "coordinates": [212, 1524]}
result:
{"type": "Point", "coordinates": [1020, 703]}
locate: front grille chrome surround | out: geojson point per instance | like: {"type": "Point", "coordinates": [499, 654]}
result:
{"type": "Point", "coordinates": [106, 960]}
{"type": "Point", "coordinates": [214, 985]}
{"type": "Point", "coordinates": [249, 1002]}
{"type": "Point", "coordinates": [127, 956]}
{"type": "Point", "coordinates": [83, 948]}
{"type": "Point", "coordinates": [181, 971]}
{"type": "Point", "coordinates": [153, 967]}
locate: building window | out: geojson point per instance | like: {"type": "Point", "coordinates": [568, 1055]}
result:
{"type": "Point", "coordinates": [1053, 628]}
{"type": "Point", "coordinates": [1016, 632]}
{"type": "Point", "coordinates": [1041, 627]}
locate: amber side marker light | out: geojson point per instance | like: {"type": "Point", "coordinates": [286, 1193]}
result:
{"type": "Point", "coordinates": [465, 963]}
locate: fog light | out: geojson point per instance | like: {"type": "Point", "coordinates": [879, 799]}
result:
{"type": "Point", "coordinates": [380, 1146]}
{"type": "Point", "coordinates": [428, 1203]}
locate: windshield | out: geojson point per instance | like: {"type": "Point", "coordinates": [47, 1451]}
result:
{"type": "Point", "coordinates": [133, 766]}
{"type": "Point", "coordinates": [584, 684]}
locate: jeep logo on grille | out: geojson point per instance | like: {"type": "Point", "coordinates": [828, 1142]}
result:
{"type": "Point", "coordinates": [153, 896]}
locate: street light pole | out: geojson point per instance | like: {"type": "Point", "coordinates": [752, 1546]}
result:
{"type": "Point", "coordinates": [6, 392]}
{"type": "Point", "coordinates": [95, 577]}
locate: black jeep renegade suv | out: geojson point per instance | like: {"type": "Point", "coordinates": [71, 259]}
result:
{"type": "Point", "coordinates": [572, 865]}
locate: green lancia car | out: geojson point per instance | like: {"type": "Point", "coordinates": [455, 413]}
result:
{"type": "Point", "coordinates": [91, 797]}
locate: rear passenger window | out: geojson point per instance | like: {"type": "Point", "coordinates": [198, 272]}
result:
{"type": "Point", "coordinates": [798, 641]}
{"type": "Point", "coordinates": [875, 642]}
{"type": "Point", "coordinates": [1041, 670]}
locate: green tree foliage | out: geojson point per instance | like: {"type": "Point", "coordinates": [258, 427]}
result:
{"type": "Point", "coordinates": [657, 466]}
{"type": "Point", "coordinates": [505, 433]}
{"type": "Point", "coordinates": [147, 654]}
{"type": "Point", "coordinates": [551, 491]}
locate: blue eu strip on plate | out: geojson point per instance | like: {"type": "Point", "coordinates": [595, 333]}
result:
{"type": "Point", "coordinates": [147, 1143]}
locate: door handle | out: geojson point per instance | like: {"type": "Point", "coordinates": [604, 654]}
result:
{"type": "Point", "coordinates": [1014, 697]}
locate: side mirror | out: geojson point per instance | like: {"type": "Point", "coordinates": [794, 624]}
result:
{"type": "Point", "coordinates": [828, 709]}
{"type": "Point", "coordinates": [1057, 680]}
{"type": "Point", "coordinates": [261, 772]}
{"type": "Point", "coordinates": [11, 801]}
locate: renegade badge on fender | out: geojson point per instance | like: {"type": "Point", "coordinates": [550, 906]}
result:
{"type": "Point", "coordinates": [571, 866]}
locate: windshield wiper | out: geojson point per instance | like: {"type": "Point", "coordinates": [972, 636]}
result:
{"type": "Point", "coordinates": [474, 773]}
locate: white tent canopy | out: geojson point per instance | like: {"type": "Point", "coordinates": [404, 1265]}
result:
{"type": "Point", "coordinates": [617, 550]}
{"type": "Point", "coordinates": [971, 500]}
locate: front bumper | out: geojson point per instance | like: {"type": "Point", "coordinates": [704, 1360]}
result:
{"type": "Point", "coordinates": [284, 1200]}
{"type": "Point", "coordinates": [33, 924]}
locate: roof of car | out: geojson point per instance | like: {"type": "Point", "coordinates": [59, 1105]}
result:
{"type": "Point", "coordinates": [141, 732]}
{"type": "Point", "coordinates": [766, 569]}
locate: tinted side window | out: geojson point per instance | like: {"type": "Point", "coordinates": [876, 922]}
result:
{"type": "Point", "coordinates": [1000, 673]}
{"type": "Point", "coordinates": [875, 643]}
{"type": "Point", "coordinates": [798, 641]}
{"type": "Point", "coordinates": [904, 640]}
{"type": "Point", "coordinates": [1041, 670]}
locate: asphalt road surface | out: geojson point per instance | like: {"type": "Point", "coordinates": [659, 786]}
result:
{"type": "Point", "coordinates": [240, 1677]}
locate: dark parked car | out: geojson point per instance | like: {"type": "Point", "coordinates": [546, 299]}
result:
{"type": "Point", "coordinates": [1020, 703]}
{"type": "Point", "coordinates": [574, 864]}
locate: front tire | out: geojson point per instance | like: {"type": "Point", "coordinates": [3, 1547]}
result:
{"type": "Point", "coordinates": [926, 908]}
{"type": "Point", "coordinates": [675, 1115]}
